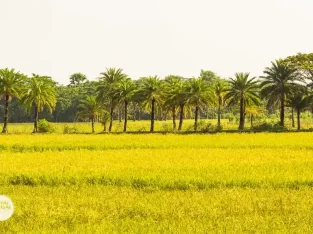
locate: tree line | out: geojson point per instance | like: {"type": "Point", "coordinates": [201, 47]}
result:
{"type": "Point", "coordinates": [285, 83]}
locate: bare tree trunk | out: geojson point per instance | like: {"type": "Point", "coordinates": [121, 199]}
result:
{"type": "Point", "coordinates": [181, 117]}
{"type": "Point", "coordinates": [219, 113]}
{"type": "Point", "coordinates": [92, 124]}
{"type": "Point", "coordinates": [282, 110]}
{"type": "Point", "coordinates": [196, 118]}
{"type": "Point", "coordinates": [242, 115]}
{"type": "Point", "coordinates": [174, 118]}
{"type": "Point", "coordinates": [152, 116]}
{"type": "Point", "coordinates": [36, 120]}
{"type": "Point", "coordinates": [125, 118]}
{"type": "Point", "coordinates": [111, 118]}
{"type": "Point", "coordinates": [292, 118]}
{"type": "Point", "coordinates": [6, 114]}
{"type": "Point", "coordinates": [298, 119]}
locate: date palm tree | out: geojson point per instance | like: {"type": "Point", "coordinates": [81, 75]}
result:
{"type": "Point", "coordinates": [106, 88]}
{"type": "Point", "coordinates": [173, 89]}
{"type": "Point", "coordinates": [276, 85]}
{"type": "Point", "coordinates": [91, 108]}
{"type": "Point", "coordinates": [11, 85]}
{"type": "Point", "coordinates": [125, 91]}
{"type": "Point", "coordinates": [243, 91]}
{"type": "Point", "coordinates": [299, 100]}
{"type": "Point", "coordinates": [39, 93]}
{"type": "Point", "coordinates": [150, 89]}
{"type": "Point", "coordinates": [199, 95]}
{"type": "Point", "coordinates": [220, 88]}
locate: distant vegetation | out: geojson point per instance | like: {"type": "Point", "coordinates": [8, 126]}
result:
{"type": "Point", "coordinates": [284, 90]}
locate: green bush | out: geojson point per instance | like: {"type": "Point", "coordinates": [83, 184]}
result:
{"type": "Point", "coordinates": [68, 130]}
{"type": "Point", "coordinates": [44, 126]}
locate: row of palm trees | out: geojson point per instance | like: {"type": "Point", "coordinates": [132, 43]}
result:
{"type": "Point", "coordinates": [281, 85]}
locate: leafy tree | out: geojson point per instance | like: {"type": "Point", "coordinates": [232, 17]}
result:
{"type": "Point", "coordinates": [106, 88]}
{"type": "Point", "coordinates": [91, 108]}
{"type": "Point", "coordinates": [151, 90]}
{"type": "Point", "coordinates": [125, 91]}
{"type": "Point", "coordinates": [303, 63]}
{"type": "Point", "coordinates": [220, 88]}
{"type": "Point", "coordinates": [199, 95]}
{"type": "Point", "coordinates": [277, 84]}
{"type": "Point", "coordinates": [40, 92]}
{"type": "Point", "coordinates": [11, 85]}
{"type": "Point", "coordinates": [245, 91]}
{"type": "Point", "coordinates": [77, 79]}
{"type": "Point", "coordinates": [209, 76]}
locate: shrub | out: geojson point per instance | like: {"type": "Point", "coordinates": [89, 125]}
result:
{"type": "Point", "coordinates": [68, 129]}
{"type": "Point", "coordinates": [44, 126]}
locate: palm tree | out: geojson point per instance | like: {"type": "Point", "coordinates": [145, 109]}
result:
{"type": "Point", "coordinates": [172, 91]}
{"type": "Point", "coordinates": [220, 88]}
{"type": "Point", "coordinates": [125, 91]}
{"type": "Point", "coordinates": [11, 85]}
{"type": "Point", "coordinates": [40, 92]}
{"type": "Point", "coordinates": [243, 90]}
{"type": "Point", "coordinates": [77, 79]}
{"type": "Point", "coordinates": [277, 84]}
{"type": "Point", "coordinates": [299, 100]}
{"type": "Point", "coordinates": [199, 95]}
{"type": "Point", "coordinates": [108, 82]}
{"type": "Point", "coordinates": [151, 90]}
{"type": "Point", "coordinates": [91, 108]}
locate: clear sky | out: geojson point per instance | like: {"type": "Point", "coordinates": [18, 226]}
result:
{"type": "Point", "coordinates": [151, 37]}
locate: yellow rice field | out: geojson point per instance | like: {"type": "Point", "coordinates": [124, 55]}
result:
{"type": "Point", "coordinates": [155, 183]}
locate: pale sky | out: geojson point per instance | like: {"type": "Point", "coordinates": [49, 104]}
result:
{"type": "Point", "coordinates": [151, 37]}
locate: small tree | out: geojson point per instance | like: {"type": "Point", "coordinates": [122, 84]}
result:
{"type": "Point", "coordinates": [91, 108]}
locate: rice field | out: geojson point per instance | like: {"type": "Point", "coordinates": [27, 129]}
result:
{"type": "Point", "coordinates": [155, 183]}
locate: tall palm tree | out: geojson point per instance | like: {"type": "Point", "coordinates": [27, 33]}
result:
{"type": "Point", "coordinates": [243, 91]}
{"type": "Point", "coordinates": [276, 84]}
{"type": "Point", "coordinates": [199, 95]}
{"type": "Point", "coordinates": [106, 88]}
{"type": "Point", "coordinates": [220, 88]}
{"type": "Point", "coordinates": [40, 92]}
{"type": "Point", "coordinates": [11, 85]}
{"type": "Point", "coordinates": [172, 91]}
{"type": "Point", "coordinates": [125, 91]}
{"type": "Point", "coordinates": [299, 100]}
{"type": "Point", "coordinates": [150, 90]}
{"type": "Point", "coordinates": [91, 108]}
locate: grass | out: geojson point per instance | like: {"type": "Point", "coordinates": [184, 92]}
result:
{"type": "Point", "coordinates": [233, 183]}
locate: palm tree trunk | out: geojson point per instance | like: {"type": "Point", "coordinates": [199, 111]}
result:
{"type": "Point", "coordinates": [292, 118]}
{"type": "Point", "coordinates": [219, 113]}
{"type": "Point", "coordinates": [251, 120]}
{"type": "Point", "coordinates": [196, 118]}
{"type": "Point", "coordinates": [181, 117]}
{"type": "Point", "coordinates": [174, 118]}
{"type": "Point", "coordinates": [6, 114]}
{"type": "Point", "coordinates": [152, 116]}
{"type": "Point", "coordinates": [36, 120]}
{"type": "Point", "coordinates": [92, 124]}
{"type": "Point", "coordinates": [242, 115]}
{"type": "Point", "coordinates": [111, 118]}
{"type": "Point", "coordinates": [298, 119]}
{"type": "Point", "coordinates": [105, 126]}
{"type": "Point", "coordinates": [282, 110]}
{"type": "Point", "coordinates": [125, 118]}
